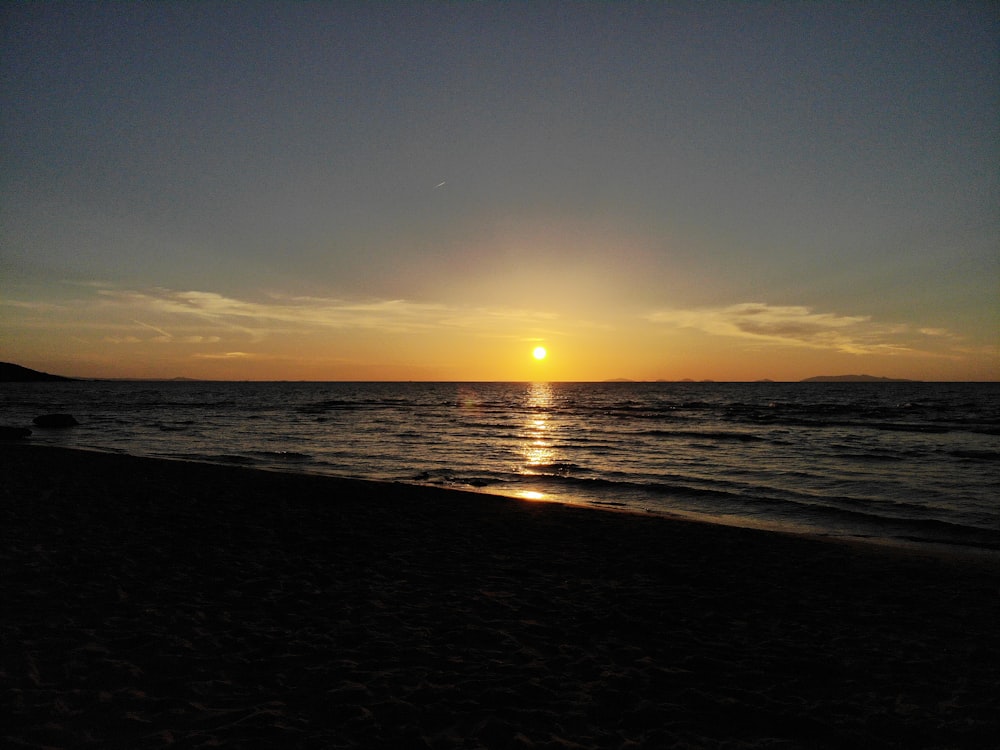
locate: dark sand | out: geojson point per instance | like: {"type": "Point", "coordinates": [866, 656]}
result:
{"type": "Point", "coordinates": [152, 603]}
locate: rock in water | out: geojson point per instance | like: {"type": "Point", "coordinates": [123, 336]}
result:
{"type": "Point", "coordinates": [55, 420]}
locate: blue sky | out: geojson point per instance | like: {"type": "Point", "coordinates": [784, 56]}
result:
{"type": "Point", "coordinates": [428, 190]}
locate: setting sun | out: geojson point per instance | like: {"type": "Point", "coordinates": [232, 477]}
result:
{"type": "Point", "coordinates": [539, 352]}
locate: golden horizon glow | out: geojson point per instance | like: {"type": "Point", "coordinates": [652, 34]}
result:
{"type": "Point", "coordinates": [466, 232]}
{"type": "Point", "coordinates": [102, 330]}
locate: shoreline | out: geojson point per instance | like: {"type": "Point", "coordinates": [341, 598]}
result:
{"type": "Point", "coordinates": [152, 602]}
{"type": "Point", "coordinates": [986, 552]}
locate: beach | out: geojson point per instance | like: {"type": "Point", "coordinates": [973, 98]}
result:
{"type": "Point", "coordinates": [150, 603]}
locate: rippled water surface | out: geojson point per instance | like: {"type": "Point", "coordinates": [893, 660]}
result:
{"type": "Point", "coordinates": [916, 461]}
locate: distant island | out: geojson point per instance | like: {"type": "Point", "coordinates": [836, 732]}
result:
{"type": "Point", "coordinates": [11, 373]}
{"type": "Point", "coordinates": [854, 379]}
{"type": "Point", "coordinates": [815, 379]}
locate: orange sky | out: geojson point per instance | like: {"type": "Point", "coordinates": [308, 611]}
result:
{"type": "Point", "coordinates": [105, 332]}
{"type": "Point", "coordinates": [650, 190]}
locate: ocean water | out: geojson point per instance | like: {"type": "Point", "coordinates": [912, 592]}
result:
{"type": "Point", "coordinates": [905, 462]}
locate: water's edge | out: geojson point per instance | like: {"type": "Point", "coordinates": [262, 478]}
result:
{"type": "Point", "coordinates": [904, 463]}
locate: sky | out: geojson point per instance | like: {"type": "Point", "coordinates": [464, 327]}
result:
{"type": "Point", "coordinates": [431, 190]}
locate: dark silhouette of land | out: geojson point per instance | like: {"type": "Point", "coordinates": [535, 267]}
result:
{"type": "Point", "coordinates": [11, 373]}
{"type": "Point", "coordinates": [855, 379]}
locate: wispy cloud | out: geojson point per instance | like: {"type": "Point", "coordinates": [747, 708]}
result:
{"type": "Point", "coordinates": [32, 306]}
{"type": "Point", "coordinates": [277, 313]}
{"type": "Point", "coordinates": [225, 355]}
{"type": "Point", "coordinates": [165, 337]}
{"type": "Point", "coordinates": [158, 315]}
{"type": "Point", "coordinates": [794, 325]}
{"type": "Point", "coordinates": [122, 340]}
{"type": "Point", "coordinates": [163, 334]}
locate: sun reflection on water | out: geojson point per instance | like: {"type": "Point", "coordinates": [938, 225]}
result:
{"type": "Point", "coordinates": [538, 451]}
{"type": "Point", "coordinates": [531, 495]}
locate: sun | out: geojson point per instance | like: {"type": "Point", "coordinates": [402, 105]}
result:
{"type": "Point", "coordinates": [540, 353]}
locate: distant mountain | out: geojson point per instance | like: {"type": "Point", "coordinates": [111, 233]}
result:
{"type": "Point", "coordinates": [11, 373]}
{"type": "Point", "coordinates": [854, 379]}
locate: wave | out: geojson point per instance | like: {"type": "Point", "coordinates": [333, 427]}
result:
{"type": "Point", "coordinates": [630, 487]}
{"type": "Point", "coordinates": [322, 407]}
{"type": "Point", "coordinates": [743, 437]}
{"type": "Point", "coordinates": [870, 457]}
{"type": "Point", "coordinates": [557, 468]}
{"type": "Point", "coordinates": [901, 520]}
{"type": "Point", "coordinates": [337, 404]}
{"type": "Point", "coordinates": [976, 455]}
{"type": "Point", "coordinates": [768, 451]}
{"type": "Point", "coordinates": [217, 458]}
{"type": "Point", "coordinates": [285, 456]}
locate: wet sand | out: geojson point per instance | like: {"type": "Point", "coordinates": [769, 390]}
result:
{"type": "Point", "coordinates": [150, 604]}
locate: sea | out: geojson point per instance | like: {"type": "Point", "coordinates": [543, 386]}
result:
{"type": "Point", "coordinates": [894, 462]}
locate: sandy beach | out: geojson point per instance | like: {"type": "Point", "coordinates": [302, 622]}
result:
{"type": "Point", "coordinates": [150, 604]}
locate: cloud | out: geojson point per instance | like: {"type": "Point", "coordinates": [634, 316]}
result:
{"type": "Point", "coordinates": [163, 334]}
{"type": "Point", "coordinates": [278, 314]}
{"type": "Point", "coordinates": [162, 337]}
{"type": "Point", "coordinates": [226, 355]}
{"type": "Point", "coordinates": [34, 306]}
{"type": "Point", "coordinates": [121, 340]}
{"type": "Point", "coordinates": [794, 325]}
{"type": "Point", "coordinates": [166, 339]}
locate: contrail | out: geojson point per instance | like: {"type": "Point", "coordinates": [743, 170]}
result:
{"type": "Point", "coordinates": [153, 328]}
